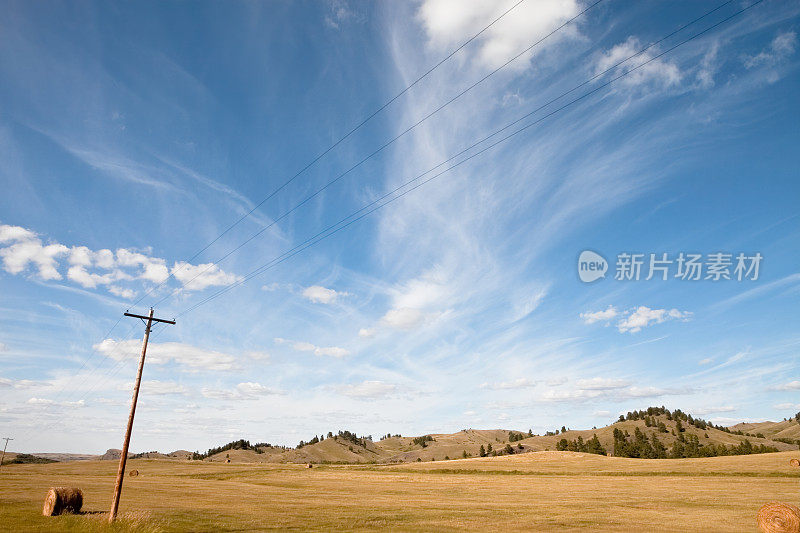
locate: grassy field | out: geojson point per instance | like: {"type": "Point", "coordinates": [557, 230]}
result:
{"type": "Point", "coordinates": [534, 491]}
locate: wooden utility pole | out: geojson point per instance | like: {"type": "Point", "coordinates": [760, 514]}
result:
{"type": "Point", "coordinates": [124, 457]}
{"type": "Point", "coordinates": [4, 450]}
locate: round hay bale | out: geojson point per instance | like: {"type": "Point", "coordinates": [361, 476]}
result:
{"type": "Point", "coordinates": [61, 500]}
{"type": "Point", "coordinates": [133, 473]}
{"type": "Point", "coordinates": [794, 462]}
{"type": "Point", "coordinates": [309, 465]}
{"type": "Point", "coordinates": [779, 517]}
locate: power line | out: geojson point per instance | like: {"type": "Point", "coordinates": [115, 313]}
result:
{"type": "Point", "coordinates": [375, 152]}
{"type": "Point", "coordinates": [365, 211]}
{"type": "Point", "coordinates": [335, 144]}
{"type": "Point", "coordinates": [112, 515]}
{"type": "Point", "coordinates": [343, 223]}
{"type": "Point", "coordinates": [113, 371]}
{"type": "Point", "coordinates": [315, 160]}
{"type": "Point", "coordinates": [55, 403]}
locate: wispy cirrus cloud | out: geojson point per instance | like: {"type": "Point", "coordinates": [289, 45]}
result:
{"type": "Point", "coordinates": [519, 383]}
{"type": "Point", "coordinates": [301, 346]}
{"type": "Point", "coordinates": [243, 391]}
{"type": "Point", "coordinates": [654, 72]}
{"type": "Point", "coordinates": [782, 46]}
{"type": "Point", "coordinates": [369, 389]}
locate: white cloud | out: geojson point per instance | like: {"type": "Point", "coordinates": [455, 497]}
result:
{"type": "Point", "coordinates": [340, 13]}
{"type": "Point", "coordinates": [783, 45]}
{"type": "Point", "coordinates": [417, 302]}
{"type": "Point", "coordinates": [86, 279]}
{"type": "Point", "coordinates": [15, 233]}
{"type": "Point", "coordinates": [519, 383]}
{"type": "Point", "coordinates": [783, 406]}
{"type": "Point", "coordinates": [600, 316]}
{"type": "Point", "coordinates": [366, 332]}
{"type": "Point", "coordinates": [607, 388]}
{"type": "Point", "coordinates": [321, 295]}
{"type": "Point", "coordinates": [47, 402]}
{"type": "Point", "coordinates": [403, 318]}
{"type": "Point", "coordinates": [127, 294]}
{"type": "Point", "coordinates": [3, 347]}
{"type": "Point", "coordinates": [242, 391]}
{"type": "Point", "coordinates": [250, 388]}
{"type": "Point", "coordinates": [643, 316]}
{"type": "Point", "coordinates": [706, 361]}
{"type": "Point", "coordinates": [198, 277]}
{"type": "Point", "coordinates": [300, 346]}
{"type": "Point", "coordinates": [792, 385]}
{"type": "Point", "coordinates": [21, 383]}
{"type": "Point", "coordinates": [90, 269]}
{"type": "Point", "coordinates": [616, 394]}
{"type": "Point", "coordinates": [602, 384]}
{"type": "Point", "coordinates": [258, 355]}
{"type": "Point", "coordinates": [703, 411]}
{"type": "Point", "coordinates": [186, 355]}
{"type": "Point", "coordinates": [448, 22]}
{"type": "Point", "coordinates": [153, 268]}
{"type": "Point", "coordinates": [369, 389]}
{"type": "Point", "coordinates": [154, 387]}
{"type": "Point", "coordinates": [331, 351]}
{"type": "Point", "coordinates": [636, 319]}
{"type": "Point", "coordinates": [705, 75]}
{"type": "Point", "coordinates": [28, 250]}
{"type": "Point", "coordinates": [218, 394]}
{"type": "Point", "coordinates": [658, 72]}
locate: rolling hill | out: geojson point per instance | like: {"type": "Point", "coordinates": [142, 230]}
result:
{"type": "Point", "coordinates": [651, 425]}
{"type": "Point", "coordinates": [668, 429]}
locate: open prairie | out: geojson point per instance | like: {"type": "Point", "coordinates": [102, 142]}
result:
{"type": "Point", "coordinates": [533, 491]}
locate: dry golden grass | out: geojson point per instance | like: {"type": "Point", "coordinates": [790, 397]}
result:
{"type": "Point", "coordinates": [539, 491]}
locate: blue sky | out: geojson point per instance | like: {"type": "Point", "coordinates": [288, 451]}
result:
{"type": "Point", "coordinates": [132, 135]}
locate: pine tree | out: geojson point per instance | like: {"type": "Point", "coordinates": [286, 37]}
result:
{"type": "Point", "coordinates": [594, 446]}
{"type": "Point", "coordinates": [482, 451]}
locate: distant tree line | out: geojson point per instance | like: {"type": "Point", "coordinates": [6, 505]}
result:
{"type": "Point", "coordinates": [640, 446]}
{"type": "Point", "coordinates": [141, 455]}
{"type": "Point", "coordinates": [786, 440]}
{"type": "Point", "coordinates": [578, 445]}
{"type": "Point", "coordinates": [344, 435]}
{"type": "Point", "coordinates": [513, 436]}
{"type": "Point", "coordinates": [648, 416]}
{"type": "Point", "coordinates": [423, 440]}
{"type": "Point", "coordinates": [25, 459]}
{"type": "Point", "coordinates": [240, 444]}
